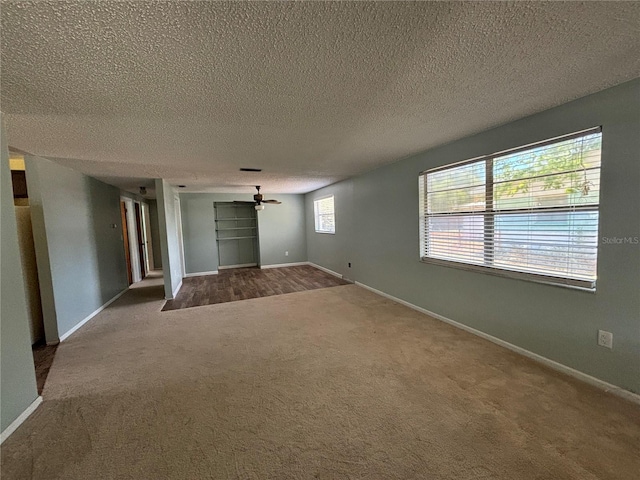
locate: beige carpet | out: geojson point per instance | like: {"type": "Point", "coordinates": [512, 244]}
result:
{"type": "Point", "coordinates": [332, 384]}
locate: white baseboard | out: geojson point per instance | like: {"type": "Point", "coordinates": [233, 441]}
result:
{"type": "Point", "coordinates": [280, 265]}
{"type": "Point", "coordinates": [596, 382]}
{"type": "Point", "coordinates": [68, 333]}
{"type": "Point", "coordinates": [335, 274]}
{"type": "Point", "coordinates": [177, 289]}
{"type": "Point", "coordinates": [21, 418]}
{"type": "Point", "coordinates": [201, 274]}
{"type": "Point", "coordinates": [241, 265]}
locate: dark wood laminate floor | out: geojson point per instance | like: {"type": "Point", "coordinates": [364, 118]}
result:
{"type": "Point", "coordinates": [244, 283]}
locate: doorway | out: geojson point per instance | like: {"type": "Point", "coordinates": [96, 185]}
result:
{"type": "Point", "coordinates": [236, 235]}
{"type": "Point", "coordinates": [140, 236]}
{"type": "Point", "coordinates": [133, 240]}
{"type": "Point", "coordinates": [125, 240]}
{"type": "Point", "coordinates": [27, 248]}
{"type": "Point", "coordinates": [148, 250]}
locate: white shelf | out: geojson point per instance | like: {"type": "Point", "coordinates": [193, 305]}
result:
{"type": "Point", "coordinates": [235, 238]}
{"type": "Point", "coordinates": [233, 228]}
{"type": "Point", "coordinates": [233, 219]}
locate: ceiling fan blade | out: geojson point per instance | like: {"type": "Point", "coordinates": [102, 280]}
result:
{"type": "Point", "coordinates": [244, 203]}
{"type": "Point", "coordinates": [275, 202]}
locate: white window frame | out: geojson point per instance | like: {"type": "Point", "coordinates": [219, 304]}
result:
{"type": "Point", "coordinates": [317, 215]}
{"type": "Point", "coordinates": [488, 212]}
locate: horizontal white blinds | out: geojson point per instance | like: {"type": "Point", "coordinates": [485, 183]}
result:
{"type": "Point", "coordinates": [533, 210]}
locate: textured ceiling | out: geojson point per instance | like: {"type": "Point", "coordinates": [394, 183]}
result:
{"type": "Point", "coordinates": [311, 92]}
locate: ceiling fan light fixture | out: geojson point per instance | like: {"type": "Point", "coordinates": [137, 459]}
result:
{"type": "Point", "coordinates": [259, 207]}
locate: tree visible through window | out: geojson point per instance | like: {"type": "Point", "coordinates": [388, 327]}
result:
{"type": "Point", "coordinates": [532, 211]}
{"type": "Point", "coordinates": [324, 215]}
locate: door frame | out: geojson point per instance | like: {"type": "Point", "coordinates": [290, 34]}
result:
{"type": "Point", "coordinates": [176, 204]}
{"type": "Point", "coordinates": [133, 240]}
{"type": "Point", "coordinates": [147, 236]}
{"type": "Point", "coordinates": [125, 240]}
{"type": "Point", "coordinates": [140, 236]}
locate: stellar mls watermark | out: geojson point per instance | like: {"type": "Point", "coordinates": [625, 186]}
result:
{"type": "Point", "coordinates": [620, 240]}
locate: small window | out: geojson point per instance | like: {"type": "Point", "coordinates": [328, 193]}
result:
{"type": "Point", "coordinates": [324, 215]}
{"type": "Point", "coordinates": [530, 213]}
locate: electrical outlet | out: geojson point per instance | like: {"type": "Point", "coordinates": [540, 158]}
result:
{"type": "Point", "coordinates": [605, 339]}
{"type": "Point", "coordinates": [286, 254]}
{"type": "Point", "coordinates": [349, 264]}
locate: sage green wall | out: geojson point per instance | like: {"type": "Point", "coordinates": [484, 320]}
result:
{"type": "Point", "coordinates": [169, 243]}
{"type": "Point", "coordinates": [78, 238]}
{"type": "Point", "coordinates": [40, 243]}
{"type": "Point", "coordinates": [280, 229]}
{"type": "Point", "coordinates": [377, 230]}
{"type": "Point", "coordinates": [199, 232]}
{"type": "Point", "coordinates": [155, 234]}
{"type": "Point", "coordinates": [334, 251]}
{"type": "Point", "coordinates": [17, 374]}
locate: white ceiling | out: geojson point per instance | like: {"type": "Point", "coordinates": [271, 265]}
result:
{"type": "Point", "coordinates": [311, 92]}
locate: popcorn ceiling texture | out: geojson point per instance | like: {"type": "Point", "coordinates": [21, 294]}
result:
{"type": "Point", "coordinates": [310, 92]}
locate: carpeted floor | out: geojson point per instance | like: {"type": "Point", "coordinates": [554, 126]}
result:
{"type": "Point", "coordinates": [43, 356]}
{"type": "Point", "coordinates": [333, 383]}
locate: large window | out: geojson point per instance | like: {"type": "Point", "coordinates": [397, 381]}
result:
{"type": "Point", "coordinates": [530, 212]}
{"type": "Point", "coordinates": [324, 215]}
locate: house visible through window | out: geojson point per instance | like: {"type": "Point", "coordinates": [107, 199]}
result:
{"type": "Point", "coordinates": [324, 215]}
{"type": "Point", "coordinates": [530, 212]}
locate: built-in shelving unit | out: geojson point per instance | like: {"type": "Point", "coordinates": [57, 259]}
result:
{"type": "Point", "coordinates": [236, 234]}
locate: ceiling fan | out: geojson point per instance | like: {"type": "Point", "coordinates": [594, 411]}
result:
{"type": "Point", "coordinates": [258, 201]}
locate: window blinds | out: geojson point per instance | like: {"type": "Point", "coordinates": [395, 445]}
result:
{"type": "Point", "coordinates": [532, 211]}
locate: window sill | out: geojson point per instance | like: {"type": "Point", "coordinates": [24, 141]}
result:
{"type": "Point", "coordinates": [582, 286]}
{"type": "Point", "coordinates": [326, 233]}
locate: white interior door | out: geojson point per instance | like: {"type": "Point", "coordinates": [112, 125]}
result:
{"type": "Point", "coordinates": [136, 275]}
